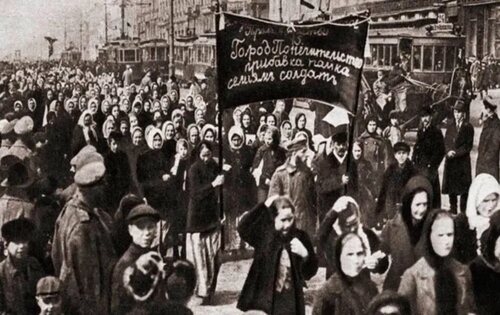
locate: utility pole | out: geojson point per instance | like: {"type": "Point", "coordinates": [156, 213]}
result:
{"type": "Point", "coordinates": [122, 8]}
{"type": "Point", "coordinates": [105, 21]}
{"type": "Point", "coordinates": [65, 33]}
{"type": "Point", "coordinates": [171, 65]}
{"type": "Point", "coordinates": [81, 36]}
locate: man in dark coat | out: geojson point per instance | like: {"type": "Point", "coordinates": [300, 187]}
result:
{"type": "Point", "coordinates": [428, 152]}
{"type": "Point", "coordinates": [457, 168]}
{"type": "Point", "coordinates": [82, 251]}
{"type": "Point", "coordinates": [332, 173]}
{"type": "Point", "coordinates": [488, 152]}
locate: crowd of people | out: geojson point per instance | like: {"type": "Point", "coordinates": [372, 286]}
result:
{"type": "Point", "coordinates": [119, 198]}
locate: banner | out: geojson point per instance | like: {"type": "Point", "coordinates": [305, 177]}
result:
{"type": "Point", "coordinates": [261, 60]}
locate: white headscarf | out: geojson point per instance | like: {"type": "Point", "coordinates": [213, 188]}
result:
{"type": "Point", "coordinates": [86, 128]}
{"type": "Point", "coordinates": [150, 134]}
{"type": "Point", "coordinates": [482, 186]}
{"type": "Point", "coordinates": [236, 130]}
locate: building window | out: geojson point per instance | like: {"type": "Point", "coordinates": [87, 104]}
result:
{"type": "Point", "coordinates": [450, 58]}
{"type": "Point", "coordinates": [417, 58]}
{"type": "Point", "coordinates": [427, 58]}
{"type": "Point", "coordinates": [438, 58]}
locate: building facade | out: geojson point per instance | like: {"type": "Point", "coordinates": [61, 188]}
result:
{"type": "Point", "coordinates": [482, 28]}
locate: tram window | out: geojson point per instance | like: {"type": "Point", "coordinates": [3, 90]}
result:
{"type": "Point", "coordinates": [450, 58]}
{"type": "Point", "coordinates": [129, 55]}
{"type": "Point", "coordinates": [387, 55]}
{"type": "Point", "coordinates": [428, 58]}
{"type": "Point", "coordinates": [153, 53]}
{"type": "Point", "coordinates": [380, 55]}
{"type": "Point", "coordinates": [161, 53]}
{"type": "Point", "coordinates": [417, 58]}
{"type": "Point", "coordinates": [394, 53]}
{"type": "Point", "coordinates": [438, 58]}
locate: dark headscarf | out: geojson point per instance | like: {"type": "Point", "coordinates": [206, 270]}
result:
{"type": "Point", "coordinates": [489, 239]}
{"type": "Point", "coordinates": [389, 297]}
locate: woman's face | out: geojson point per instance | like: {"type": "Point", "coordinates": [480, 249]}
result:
{"type": "Point", "coordinates": [173, 96]}
{"type": "Point", "coordinates": [93, 107]}
{"type": "Point", "coordinates": [137, 138]}
{"type": "Point", "coordinates": [271, 121]}
{"type": "Point", "coordinates": [287, 130]}
{"type": "Point", "coordinates": [110, 128]}
{"type": "Point", "coordinates": [245, 120]}
{"type": "Point", "coordinates": [189, 101]}
{"type": "Point", "coordinates": [488, 206]}
{"type": "Point", "coordinates": [199, 115]}
{"type": "Point", "coordinates": [115, 111]}
{"type": "Point", "coordinates": [205, 154]}
{"type": "Point", "coordinates": [236, 141]}
{"type": "Point", "coordinates": [156, 106]}
{"type": "Point", "coordinates": [157, 142]}
{"type": "Point", "coordinates": [165, 104]}
{"type": "Point", "coordinates": [137, 108]}
{"type": "Point", "coordinates": [301, 123]}
{"type": "Point", "coordinates": [237, 116]}
{"type": "Point", "coordinates": [147, 107]}
{"type": "Point", "coordinates": [194, 135]}
{"type": "Point", "coordinates": [284, 221]}
{"type": "Point", "coordinates": [18, 106]}
{"type": "Point", "coordinates": [262, 120]}
{"type": "Point", "coordinates": [419, 205]}
{"type": "Point", "coordinates": [133, 121]}
{"type": "Point", "coordinates": [352, 257]}
{"type": "Point", "coordinates": [170, 132]}
{"type": "Point", "coordinates": [183, 151]}
{"type": "Point", "coordinates": [209, 136]}
{"type": "Point", "coordinates": [124, 128]}
{"type": "Point", "coordinates": [356, 151]}
{"type": "Point", "coordinates": [442, 236]}
{"type": "Point", "coordinates": [60, 96]}
{"type": "Point", "coordinates": [31, 104]}
{"type": "Point", "coordinates": [71, 107]}
{"type": "Point", "coordinates": [268, 138]}
{"type": "Point", "coordinates": [87, 120]}
{"type": "Point", "coordinates": [126, 106]}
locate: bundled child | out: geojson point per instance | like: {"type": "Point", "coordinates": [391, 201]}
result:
{"type": "Point", "coordinates": [393, 132]}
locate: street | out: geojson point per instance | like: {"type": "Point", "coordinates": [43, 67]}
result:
{"type": "Point", "coordinates": [233, 274]}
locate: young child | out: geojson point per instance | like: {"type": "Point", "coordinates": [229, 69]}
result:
{"type": "Point", "coordinates": [284, 257]}
{"type": "Point", "coordinates": [393, 131]}
{"type": "Point", "coordinates": [19, 272]}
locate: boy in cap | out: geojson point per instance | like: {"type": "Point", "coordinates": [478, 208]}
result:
{"type": "Point", "coordinates": [142, 227]}
{"type": "Point", "coordinates": [48, 296]}
{"type": "Point", "coordinates": [394, 180]}
{"type": "Point", "coordinates": [296, 180]}
{"type": "Point", "coordinates": [393, 132]}
{"type": "Point", "coordinates": [488, 151]}
{"type": "Point", "coordinates": [82, 251]}
{"type": "Point", "coordinates": [458, 141]}
{"type": "Point", "coordinates": [19, 273]}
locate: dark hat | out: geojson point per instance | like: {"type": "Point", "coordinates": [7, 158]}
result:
{"type": "Point", "coordinates": [127, 203]}
{"type": "Point", "coordinates": [394, 114]}
{"type": "Point", "coordinates": [340, 134]}
{"type": "Point", "coordinates": [401, 146]}
{"type": "Point", "coordinates": [349, 216]}
{"type": "Point", "coordinates": [425, 111]}
{"type": "Point", "coordinates": [48, 286]}
{"type": "Point", "coordinates": [371, 117]}
{"type": "Point", "coordinates": [91, 171]}
{"type": "Point", "coordinates": [142, 210]}
{"type": "Point", "coordinates": [490, 103]}
{"type": "Point", "coordinates": [18, 174]}
{"type": "Point", "coordinates": [24, 126]}
{"type": "Point", "coordinates": [459, 106]}
{"type": "Point", "coordinates": [297, 144]}
{"type": "Point", "coordinates": [182, 281]}
{"type": "Point", "coordinates": [18, 230]}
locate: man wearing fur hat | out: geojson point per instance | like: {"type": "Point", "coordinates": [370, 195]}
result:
{"type": "Point", "coordinates": [82, 251]}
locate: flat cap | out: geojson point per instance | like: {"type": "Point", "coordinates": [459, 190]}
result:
{"type": "Point", "coordinates": [297, 144]}
{"type": "Point", "coordinates": [48, 286]}
{"type": "Point", "coordinates": [401, 146]}
{"type": "Point", "coordinates": [143, 210]}
{"type": "Point", "coordinates": [24, 125]}
{"type": "Point", "coordinates": [90, 171]}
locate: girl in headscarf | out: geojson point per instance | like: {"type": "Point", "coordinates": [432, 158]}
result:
{"type": "Point", "coordinates": [169, 147]}
{"type": "Point", "coordinates": [153, 172]}
{"type": "Point", "coordinates": [145, 117]}
{"type": "Point", "coordinates": [286, 133]}
{"type": "Point", "coordinates": [203, 239]}
{"type": "Point", "coordinates": [239, 192]}
{"type": "Point", "coordinates": [485, 270]}
{"type": "Point", "coordinates": [271, 120]}
{"type": "Point", "coordinates": [85, 133]}
{"type": "Point", "coordinates": [19, 108]}
{"type": "Point", "coordinates": [166, 108]}
{"type": "Point", "coordinates": [199, 114]}
{"type": "Point", "coordinates": [247, 123]}
{"type": "Point", "coordinates": [437, 283]}
{"type": "Point", "coordinates": [82, 103]}
{"type": "Point", "coordinates": [268, 158]}
{"type": "Point", "coordinates": [108, 126]}
{"type": "Point", "coordinates": [401, 234]}
{"type": "Point", "coordinates": [284, 258]}
{"type": "Point", "coordinates": [137, 148]}
{"type": "Point", "coordinates": [125, 105]}
{"type": "Point", "coordinates": [209, 133]}
{"type": "Point", "coordinates": [300, 125]}
{"type": "Point", "coordinates": [124, 129]}
{"type": "Point", "coordinates": [193, 138]}
{"type": "Point", "coordinates": [482, 202]}
{"type": "Point", "coordinates": [349, 290]}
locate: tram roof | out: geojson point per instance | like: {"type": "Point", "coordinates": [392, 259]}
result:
{"type": "Point", "coordinates": [437, 32]}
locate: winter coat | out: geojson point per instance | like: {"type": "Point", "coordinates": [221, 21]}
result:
{"type": "Point", "coordinates": [488, 151]}
{"type": "Point", "coordinates": [18, 288]}
{"type": "Point", "coordinates": [485, 286]}
{"type": "Point", "coordinates": [117, 177]}
{"type": "Point", "coordinates": [203, 209]}
{"type": "Point", "coordinates": [14, 206]}
{"type": "Point", "coordinates": [428, 153]}
{"type": "Point", "coordinates": [466, 243]}
{"type": "Point", "coordinates": [271, 158]}
{"type": "Point", "coordinates": [78, 141]}
{"type": "Point", "coordinates": [340, 297]}
{"type": "Point", "coordinates": [457, 170]}
{"type": "Point", "coordinates": [257, 229]}
{"type": "Point", "coordinates": [417, 284]}
{"type": "Point", "coordinates": [83, 258]}
{"type": "Point", "coordinates": [20, 149]}
{"type": "Point", "coordinates": [298, 183]}
{"type": "Point", "coordinates": [376, 151]}
{"type": "Point", "coordinates": [365, 195]}
{"type": "Point", "coordinates": [238, 182]}
{"type": "Point", "coordinates": [329, 170]}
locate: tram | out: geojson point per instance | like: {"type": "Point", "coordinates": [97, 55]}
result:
{"type": "Point", "coordinates": [71, 56]}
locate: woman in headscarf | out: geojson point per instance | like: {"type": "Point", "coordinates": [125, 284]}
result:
{"type": "Point", "coordinates": [199, 115]}
{"type": "Point", "coordinates": [170, 144]}
{"type": "Point", "coordinates": [35, 114]}
{"type": "Point", "coordinates": [402, 233]}
{"type": "Point", "coordinates": [271, 120]}
{"type": "Point", "coordinates": [438, 284]}
{"type": "Point", "coordinates": [483, 201]}
{"type": "Point", "coordinates": [157, 119]}
{"type": "Point", "coordinates": [203, 239]}
{"type": "Point", "coordinates": [101, 115]}
{"type": "Point", "coordinates": [239, 185]}
{"type": "Point", "coordinates": [300, 125]}
{"type": "Point", "coordinates": [145, 117]}
{"type": "Point", "coordinates": [125, 105]}
{"type": "Point", "coordinates": [71, 108]}
{"type": "Point", "coordinates": [179, 124]}
{"type": "Point", "coordinates": [108, 126]}
{"type": "Point", "coordinates": [349, 290]}
{"type": "Point", "coordinates": [284, 258]}
{"type": "Point", "coordinates": [189, 114]}
{"type": "Point", "coordinates": [485, 270]}
{"type": "Point", "coordinates": [209, 133]}
{"type": "Point", "coordinates": [137, 148]}
{"type": "Point", "coordinates": [85, 133]}
{"type": "Point", "coordinates": [247, 122]}
{"type": "Point", "coordinates": [345, 216]}
{"type": "Point", "coordinates": [134, 122]}
{"type": "Point", "coordinates": [237, 112]}
{"type": "Point", "coordinates": [193, 138]}
{"type": "Point", "coordinates": [117, 171]}
{"type": "Point", "coordinates": [174, 98]}
{"type": "Point", "coordinates": [19, 109]}
{"type": "Point", "coordinates": [269, 156]}
{"type": "Point", "coordinates": [166, 107]}
{"type": "Point", "coordinates": [153, 172]}
{"type": "Point", "coordinates": [286, 133]}
{"type": "Point", "coordinates": [82, 103]}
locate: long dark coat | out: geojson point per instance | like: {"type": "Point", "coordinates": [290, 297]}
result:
{"type": "Point", "coordinates": [486, 286]}
{"type": "Point", "coordinates": [428, 153]}
{"type": "Point", "coordinates": [488, 151]}
{"type": "Point", "coordinates": [329, 170]}
{"type": "Point", "coordinates": [203, 210]}
{"type": "Point", "coordinates": [257, 229]}
{"type": "Point", "coordinates": [83, 258]}
{"type": "Point", "coordinates": [117, 177]}
{"type": "Point", "coordinates": [457, 170]}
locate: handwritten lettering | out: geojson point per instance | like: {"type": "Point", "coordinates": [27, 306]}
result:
{"type": "Point", "coordinates": [237, 81]}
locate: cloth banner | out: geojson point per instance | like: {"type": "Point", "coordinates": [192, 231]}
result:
{"type": "Point", "coordinates": [259, 60]}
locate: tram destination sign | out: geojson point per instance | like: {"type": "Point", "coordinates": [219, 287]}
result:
{"type": "Point", "coordinates": [260, 60]}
